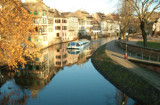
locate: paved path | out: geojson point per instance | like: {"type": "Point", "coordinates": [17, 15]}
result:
{"type": "Point", "coordinates": [117, 55]}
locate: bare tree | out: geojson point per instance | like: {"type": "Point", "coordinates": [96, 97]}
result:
{"type": "Point", "coordinates": [125, 12]}
{"type": "Point", "coordinates": [142, 8]}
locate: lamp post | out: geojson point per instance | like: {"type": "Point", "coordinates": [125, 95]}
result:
{"type": "Point", "coordinates": [126, 54]}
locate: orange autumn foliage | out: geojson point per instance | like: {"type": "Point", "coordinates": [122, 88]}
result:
{"type": "Point", "coordinates": [16, 28]}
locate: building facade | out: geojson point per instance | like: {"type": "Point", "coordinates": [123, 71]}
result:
{"type": "Point", "coordinates": [43, 21]}
{"type": "Point", "coordinates": [73, 25]}
{"type": "Point", "coordinates": [85, 22]}
{"type": "Point", "coordinates": [156, 27]}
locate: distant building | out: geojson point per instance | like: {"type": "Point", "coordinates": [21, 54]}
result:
{"type": "Point", "coordinates": [85, 22]}
{"type": "Point", "coordinates": [99, 16]}
{"type": "Point", "coordinates": [73, 25]}
{"type": "Point", "coordinates": [60, 27]}
{"type": "Point", "coordinates": [96, 29]}
{"type": "Point", "coordinates": [156, 27]}
{"type": "Point", "coordinates": [109, 24]}
{"type": "Point", "coordinates": [154, 16]}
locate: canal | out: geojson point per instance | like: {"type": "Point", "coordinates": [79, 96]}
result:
{"type": "Point", "coordinates": [61, 77]}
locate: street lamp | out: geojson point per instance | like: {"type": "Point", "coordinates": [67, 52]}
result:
{"type": "Point", "coordinates": [126, 54]}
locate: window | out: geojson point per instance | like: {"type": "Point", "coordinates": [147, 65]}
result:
{"type": "Point", "coordinates": [44, 38]}
{"type": "Point", "coordinates": [64, 27]}
{"type": "Point", "coordinates": [45, 57]}
{"type": "Point", "coordinates": [44, 13]}
{"type": "Point", "coordinates": [57, 21]}
{"type": "Point", "coordinates": [65, 56]}
{"type": "Point", "coordinates": [58, 63]}
{"type": "Point", "coordinates": [77, 44]}
{"type": "Point", "coordinates": [44, 20]}
{"type": "Point", "coordinates": [50, 21]}
{"type": "Point", "coordinates": [44, 29]}
{"type": "Point", "coordinates": [57, 28]}
{"type": "Point", "coordinates": [35, 13]}
{"type": "Point", "coordinates": [64, 62]}
{"type": "Point", "coordinates": [37, 59]}
{"type": "Point", "coordinates": [57, 34]}
{"type": "Point", "coordinates": [36, 21]}
{"type": "Point", "coordinates": [64, 21]}
{"type": "Point", "coordinates": [58, 57]}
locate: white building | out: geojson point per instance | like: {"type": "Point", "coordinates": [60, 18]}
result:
{"type": "Point", "coordinates": [156, 26]}
{"type": "Point", "coordinates": [73, 25]}
{"type": "Point", "coordinates": [43, 20]}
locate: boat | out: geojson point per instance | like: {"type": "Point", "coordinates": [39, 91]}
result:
{"type": "Point", "coordinates": [78, 44]}
{"type": "Point", "coordinates": [74, 51]}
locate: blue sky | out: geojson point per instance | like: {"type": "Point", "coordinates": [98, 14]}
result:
{"type": "Point", "coordinates": [91, 6]}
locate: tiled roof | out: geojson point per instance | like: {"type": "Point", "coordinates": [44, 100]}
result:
{"type": "Point", "coordinates": [82, 14]}
{"type": "Point", "coordinates": [69, 14]}
{"type": "Point", "coordinates": [57, 14]}
{"type": "Point", "coordinates": [102, 15]}
{"type": "Point", "coordinates": [95, 21]}
{"type": "Point", "coordinates": [35, 6]}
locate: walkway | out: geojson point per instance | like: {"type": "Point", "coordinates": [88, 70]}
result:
{"type": "Point", "coordinates": [117, 55]}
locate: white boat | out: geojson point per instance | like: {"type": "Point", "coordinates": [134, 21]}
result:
{"type": "Point", "coordinates": [78, 44]}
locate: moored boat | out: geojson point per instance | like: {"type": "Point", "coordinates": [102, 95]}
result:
{"type": "Point", "coordinates": [78, 44]}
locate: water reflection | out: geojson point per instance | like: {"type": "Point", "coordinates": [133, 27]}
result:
{"type": "Point", "coordinates": [15, 97]}
{"type": "Point", "coordinates": [121, 98]}
{"type": "Point", "coordinates": [39, 73]}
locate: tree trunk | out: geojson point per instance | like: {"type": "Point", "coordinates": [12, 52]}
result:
{"type": "Point", "coordinates": [143, 26]}
{"type": "Point", "coordinates": [124, 32]}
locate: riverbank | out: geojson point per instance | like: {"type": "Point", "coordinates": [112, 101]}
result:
{"type": "Point", "coordinates": [126, 76]}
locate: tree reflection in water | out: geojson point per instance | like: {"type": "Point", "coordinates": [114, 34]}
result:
{"type": "Point", "coordinates": [15, 97]}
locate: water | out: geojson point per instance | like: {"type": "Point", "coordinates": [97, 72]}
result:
{"type": "Point", "coordinates": [61, 78]}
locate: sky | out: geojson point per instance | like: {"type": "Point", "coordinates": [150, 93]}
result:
{"type": "Point", "coordinates": [91, 6]}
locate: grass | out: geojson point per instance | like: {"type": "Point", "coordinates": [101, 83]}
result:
{"type": "Point", "coordinates": [126, 81]}
{"type": "Point", "coordinates": [150, 44]}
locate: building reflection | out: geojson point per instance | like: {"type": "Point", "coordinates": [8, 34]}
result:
{"type": "Point", "coordinates": [121, 98]}
{"type": "Point", "coordinates": [39, 72]}
{"type": "Point", "coordinates": [5, 76]}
